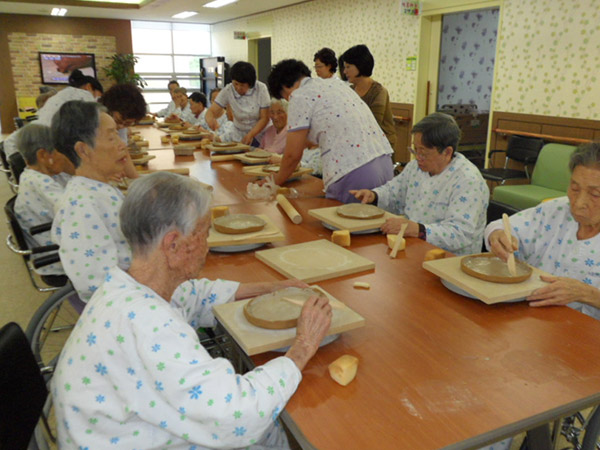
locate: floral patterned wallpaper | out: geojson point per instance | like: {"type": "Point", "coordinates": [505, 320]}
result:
{"type": "Point", "coordinates": [299, 31]}
{"type": "Point", "coordinates": [468, 52]}
{"type": "Point", "coordinates": [549, 58]}
{"type": "Point", "coordinates": [548, 55]}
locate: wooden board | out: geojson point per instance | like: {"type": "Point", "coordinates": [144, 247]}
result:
{"type": "Point", "coordinates": [314, 261]}
{"type": "Point", "coordinates": [254, 340]}
{"type": "Point", "coordinates": [143, 160]}
{"type": "Point", "coordinates": [256, 171]}
{"type": "Point", "coordinates": [331, 217]}
{"type": "Point", "coordinates": [270, 233]}
{"type": "Point", "coordinates": [486, 291]}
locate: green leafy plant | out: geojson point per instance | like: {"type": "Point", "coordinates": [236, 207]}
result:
{"type": "Point", "coordinates": [121, 69]}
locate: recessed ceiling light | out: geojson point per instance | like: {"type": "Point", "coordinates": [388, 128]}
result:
{"type": "Point", "coordinates": [184, 15]}
{"type": "Point", "coordinates": [58, 12]}
{"type": "Point", "coordinates": [219, 3]}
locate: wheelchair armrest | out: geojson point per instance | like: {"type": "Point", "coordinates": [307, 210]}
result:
{"type": "Point", "coordinates": [40, 228]}
{"type": "Point", "coordinates": [45, 260]}
{"type": "Point", "coordinates": [44, 249]}
{"type": "Point", "coordinates": [495, 151]}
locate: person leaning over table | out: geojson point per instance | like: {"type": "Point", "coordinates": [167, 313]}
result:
{"type": "Point", "coordinates": [358, 67]}
{"type": "Point", "coordinates": [126, 105]}
{"type": "Point", "coordinates": [41, 185]}
{"type": "Point", "coordinates": [171, 107]}
{"type": "Point", "coordinates": [249, 100]}
{"type": "Point", "coordinates": [325, 63]}
{"type": "Point", "coordinates": [355, 153]}
{"type": "Point", "coordinates": [147, 380]}
{"type": "Point", "coordinates": [561, 237]}
{"type": "Point", "coordinates": [441, 193]}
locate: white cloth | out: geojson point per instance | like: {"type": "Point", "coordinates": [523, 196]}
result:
{"type": "Point", "coordinates": [134, 375]}
{"type": "Point", "coordinates": [54, 103]}
{"type": "Point", "coordinates": [166, 112]}
{"type": "Point", "coordinates": [547, 237]}
{"type": "Point", "coordinates": [38, 195]}
{"type": "Point", "coordinates": [312, 158]}
{"type": "Point", "coordinates": [246, 108]}
{"type": "Point", "coordinates": [339, 122]}
{"type": "Point", "coordinates": [452, 204]}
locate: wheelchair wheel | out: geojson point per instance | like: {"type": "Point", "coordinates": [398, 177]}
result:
{"type": "Point", "coordinates": [51, 325]}
{"type": "Point", "coordinates": [591, 439]}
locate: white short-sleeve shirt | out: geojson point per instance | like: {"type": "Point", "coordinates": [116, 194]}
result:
{"type": "Point", "coordinates": [340, 123]}
{"type": "Point", "coordinates": [246, 108]}
{"type": "Point", "coordinates": [54, 103]}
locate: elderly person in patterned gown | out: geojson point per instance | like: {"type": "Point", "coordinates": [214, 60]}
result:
{"type": "Point", "coordinates": [133, 371]}
{"type": "Point", "coordinates": [562, 237]}
{"type": "Point", "coordinates": [441, 193]}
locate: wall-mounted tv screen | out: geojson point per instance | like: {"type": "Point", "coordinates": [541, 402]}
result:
{"type": "Point", "coordinates": [56, 67]}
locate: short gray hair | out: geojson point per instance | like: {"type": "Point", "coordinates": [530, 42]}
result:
{"type": "Point", "coordinates": [438, 130]}
{"type": "Point", "coordinates": [280, 101]}
{"type": "Point", "coordinates": [76, 121]}
{"type": "Point", "coordinates": [158, 203]}
{"type": "Point", "coordinates": [31, 138]}
{"type": "Point", "coordinates": [587, 155]}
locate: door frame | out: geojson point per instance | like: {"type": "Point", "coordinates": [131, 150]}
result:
{"type": "Point", "coordinates": [429, 52]}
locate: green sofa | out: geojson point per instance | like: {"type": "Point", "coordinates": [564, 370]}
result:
{"type": "Point", "coordinates": [550, 179]}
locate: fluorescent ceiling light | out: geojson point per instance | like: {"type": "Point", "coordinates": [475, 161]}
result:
{"type": "Point", "coordinates": [128, 2]}
{"type": "Point", "coordinates": [219, 3]}
{"type": "Point", "coordinates": [58, 12]}
{"type": "Point", "coordinates": [184, 15]}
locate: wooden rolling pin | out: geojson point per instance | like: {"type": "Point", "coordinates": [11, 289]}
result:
{"type": "Point", "coordinates": [512, 268]}
{"type": "Point", "coordinates": [285, 204]}
{"type": "Point", "coordinates": [230, 157]}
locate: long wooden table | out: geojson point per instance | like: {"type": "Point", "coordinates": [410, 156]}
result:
{"type": "Point", "coordinates": [437, 370]}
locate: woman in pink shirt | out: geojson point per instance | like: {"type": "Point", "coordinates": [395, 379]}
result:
{"type": "Point", "coordinates": [275, 135]}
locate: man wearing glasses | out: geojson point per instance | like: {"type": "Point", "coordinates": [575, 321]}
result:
{"type": "Point", "coordinates": [441, 193]}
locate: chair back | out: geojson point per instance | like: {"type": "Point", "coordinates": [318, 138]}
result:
{"type": "Point", "coordinates": [552, 167]}
{"type": "Point", "coordinates": [17, 165]}
{"type": "Point", "coordinates": [524, 149]}
{"type": "Point", "coordinates": [22, 389]}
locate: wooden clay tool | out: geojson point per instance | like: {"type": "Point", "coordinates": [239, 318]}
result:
{"type": "Point", "coordinates": [398, 240]}
{"type": "Point", "coordinates": [301, 302]}
{"type": "Point", "coordinates": [292, 213]}
{"type": "Point", "coordinates": [512, 267]}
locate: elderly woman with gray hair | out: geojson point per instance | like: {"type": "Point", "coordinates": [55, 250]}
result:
{"type": "Point", "coordinates": [133, 371]}
{"type": "Point", "coordinates": [562, 237]}
{"type": "Point", "coordinates": [41, 185]}
{"type": "Point", "coordinates": [274, 137]}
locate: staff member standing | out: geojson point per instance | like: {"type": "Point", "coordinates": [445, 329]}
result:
{"type": "Point", "coordinates": [249, 99]}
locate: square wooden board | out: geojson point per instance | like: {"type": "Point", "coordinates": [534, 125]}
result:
{"type": "Point", "coordinates": [216, 239]}
{"type": "Point", "coordinates": [330, 216]}
{"type": "Point", "coordinates": [486, 291]}
{"type": "Point", "coordinates": [314, 261]}
{"type": "Point", "coordinates": [254, 340]}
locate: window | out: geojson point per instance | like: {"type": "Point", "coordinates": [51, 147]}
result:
{"type": "Point", "coordinates": [169, 51]}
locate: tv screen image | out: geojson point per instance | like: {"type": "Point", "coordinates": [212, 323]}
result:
{"type": "Point", "coordinates": [56, 67]}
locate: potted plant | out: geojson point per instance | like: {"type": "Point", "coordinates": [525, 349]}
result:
{"type": "Point", "coordinates": [121, 69]}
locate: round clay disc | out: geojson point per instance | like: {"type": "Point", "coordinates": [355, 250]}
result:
{"type": "Point", "coordinates": [258, 154]}
{"type": "Point", "coordinates": [224, 144]}
{"type": "Point", "coordinates": [238, 224]}
{"type": "Point", "coordinates": [488, 267]}
{"type": "Point", "coordinates": [272, 312]}
{"type": "Point", "coordinates": [360, 211]}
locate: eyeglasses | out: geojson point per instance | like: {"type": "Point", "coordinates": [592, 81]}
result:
{"type": "Point", "coordinates": [319, 66]}
{"type": "Point", "coordinates": [423, 154]}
